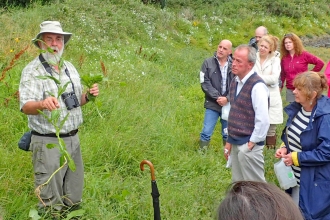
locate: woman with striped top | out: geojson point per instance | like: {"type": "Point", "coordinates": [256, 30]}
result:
{"type": "Point", "coordinates": [307, 145]}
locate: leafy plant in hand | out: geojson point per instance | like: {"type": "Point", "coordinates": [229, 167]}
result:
{"type": "Point", "coordinates": [89, 80]}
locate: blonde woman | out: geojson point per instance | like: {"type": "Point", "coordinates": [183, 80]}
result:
{"type": "Point", "coordinates": [268, 67]}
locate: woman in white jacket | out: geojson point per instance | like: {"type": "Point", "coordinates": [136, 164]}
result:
{"type": "Point", "coordinates": [268, 67]}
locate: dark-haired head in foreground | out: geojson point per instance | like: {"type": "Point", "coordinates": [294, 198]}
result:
{"type": "Point", "coordinates": [257, 201]}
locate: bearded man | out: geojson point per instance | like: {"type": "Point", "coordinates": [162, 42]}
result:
{"type": "Point", "coordinates": [64, 191]}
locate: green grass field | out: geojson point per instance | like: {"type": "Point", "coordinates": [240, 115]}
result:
{"type": "Point", "coordinates": [152, 104]}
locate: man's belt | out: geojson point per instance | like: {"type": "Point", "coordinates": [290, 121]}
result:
{"type": "Point", "coordinates": [71, 133]}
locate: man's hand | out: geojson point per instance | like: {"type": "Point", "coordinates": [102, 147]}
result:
{"type": "Point", "coordinates": [50, 104]}
{"type": "Point", "coordinates": [227, 150]}
{"type": "Point", "coordinates": [251, 145]}
{"type": "Point", "coordinates": [222, 100]}
{"type": "Point", "coordinates": [94, 90]}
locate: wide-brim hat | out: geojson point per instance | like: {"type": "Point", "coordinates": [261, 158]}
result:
{"type": "Point", "coordinates": [51, 27]}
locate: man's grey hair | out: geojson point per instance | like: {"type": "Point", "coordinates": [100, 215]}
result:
{"type": "Point", "coordinates": [252, 52]}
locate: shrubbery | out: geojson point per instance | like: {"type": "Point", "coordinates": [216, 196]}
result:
{"type": "Point", "coordinates": [284, 8]}
{"type": "Point", "coordinates": [22, 3]}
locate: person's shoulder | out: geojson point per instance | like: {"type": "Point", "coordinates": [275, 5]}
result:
{"type": "Point", "coordinates": [210, 59]}
{"type": "Point", "coordinates": [252, 41]}
{"type": "Point", "coordinates": [305, 53]}
{"type": "Point", "coordinates": [323, 106]}
{"type": "Point", "coordinates": [32, 64]}
{"type": "Point", "coordinates": [68, 64]}
{"type": "Point", "coordinates": [274, 57]}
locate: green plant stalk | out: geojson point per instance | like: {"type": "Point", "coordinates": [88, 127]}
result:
{"type": "Point", "coordinates": [39, 188]}
{"type": "Point", "coordinates": [54, 120]}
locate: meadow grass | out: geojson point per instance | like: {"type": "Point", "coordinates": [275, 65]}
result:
{"type": "Point", "coordinates": [152, 104]}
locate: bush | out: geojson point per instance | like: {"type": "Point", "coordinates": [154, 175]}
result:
{"type": "Point", "coordinates": [22, 3]}
{"type": "Point", "coordinates": [284, 8]}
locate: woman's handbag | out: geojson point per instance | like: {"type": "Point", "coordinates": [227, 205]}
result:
{"type": "Point", "coordinates": [24, 141]}
{"type": "Point", "coordinates": [225, 111]}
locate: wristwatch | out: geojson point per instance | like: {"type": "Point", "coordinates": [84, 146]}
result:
{"type": "Point", "coordinates": [86, 97]}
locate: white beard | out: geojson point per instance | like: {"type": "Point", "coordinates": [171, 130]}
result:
{"type": "Point", "coordinates": [52, 58]}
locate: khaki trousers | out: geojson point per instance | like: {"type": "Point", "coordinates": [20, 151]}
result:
{"type": "Point", "coordinates": [247, 164]}
{"type": "Point", "coordinates": [65, 187]}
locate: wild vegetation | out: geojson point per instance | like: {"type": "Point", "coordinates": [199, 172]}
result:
{"type": "Point", "coordinates": [151, 105]}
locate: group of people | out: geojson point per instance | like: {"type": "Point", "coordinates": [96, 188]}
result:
{"type": "Point", "coordinates": [259, 73]}
{"type": "Point", "coordinates": [248, 78]}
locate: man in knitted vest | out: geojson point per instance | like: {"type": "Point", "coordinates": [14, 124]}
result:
{"type": "Point", "coordinates": [248, 120]}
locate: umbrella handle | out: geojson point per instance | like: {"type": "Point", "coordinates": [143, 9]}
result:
{"type": "Point", "coordinates": [152, 170]}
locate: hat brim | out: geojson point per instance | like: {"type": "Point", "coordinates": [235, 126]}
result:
{"type": "Point", "coordinates": [66, 35]}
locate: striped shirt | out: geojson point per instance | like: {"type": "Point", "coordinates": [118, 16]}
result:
{"type": "Point", "coordinates": [32, 88]}
{"type": "Point", "coordinates": [299, 124]}
{"type": "Point", "coordinates": [224, 70]}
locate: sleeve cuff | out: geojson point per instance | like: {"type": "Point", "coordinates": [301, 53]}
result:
{"type": "Point", "coordinates": [295, 158]}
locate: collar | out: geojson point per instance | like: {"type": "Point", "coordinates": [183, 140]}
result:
{"type": "Point", "coordinates": [245, 77]}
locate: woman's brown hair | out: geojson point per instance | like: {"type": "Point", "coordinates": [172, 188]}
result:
{"type": "Point", "coordinates": [311, 81]}
{"type": "Point", "coordinates": [297, 44]}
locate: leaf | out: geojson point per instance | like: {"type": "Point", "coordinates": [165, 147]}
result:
{"type": "Point", "coordinates": [49, 77]}
{"type": "Point", "coordinates": [43, 114]}
{"type": "Point", "coordinates": [90, 79]}
{"type": "Point", "coordinates": [63, 121]}
{"type": "Point", "coordinates": [51, 146]}
{"type": "Point", "coordinates": [125, 193]}
{"type": "Point", "coordinates": [62, 160]}
{"type": "Point", "coordinates": [123, 84]}
{"type": "Point", "coordinates": [62, 144]}
{"type": "Point", "coordinates": [61, 62]}
{"type": "Point", "coordinates": [55, 114]}
{"type": "Point", "coordinates": [34, 214]}
{"type": "Point", "coordinates": [91, 97]}
{"type": "Point", "coordinates": [50, 50]}
{"type": "Point", "coordinates": [42, 51]}
{"type": "Point", "coordinates": [62, 89]}
{"type": "Point", "coordinates": [76, 213]}
{"type": "Point", "coordinates": [49, 93]}
{"type": "Point", "coordinates": [71, 163]}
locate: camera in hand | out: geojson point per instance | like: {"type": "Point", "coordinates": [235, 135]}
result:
{"type": "Point", "coordinates": [70, 100]}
